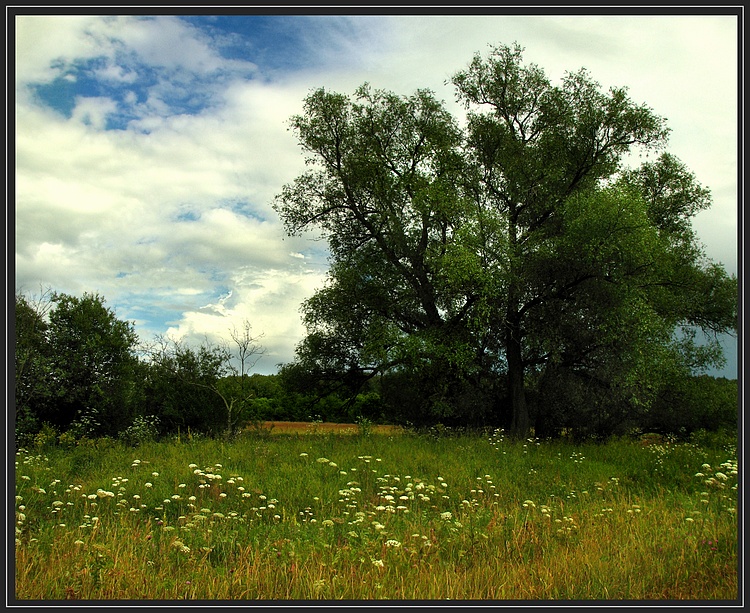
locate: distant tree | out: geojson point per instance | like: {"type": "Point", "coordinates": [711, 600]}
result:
{"type": "Point", "coordinates": [235, 390]}
{"type": "Point", "coordinates": [202, 388]}
{"type": "Point", "coordinates": [181, 382]}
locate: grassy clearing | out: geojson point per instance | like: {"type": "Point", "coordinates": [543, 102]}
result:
{"type": "Point", "coordinates": [405, 517]}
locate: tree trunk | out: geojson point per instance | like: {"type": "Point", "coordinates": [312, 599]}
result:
{"type": "Point", "coordinates": [520, 422]}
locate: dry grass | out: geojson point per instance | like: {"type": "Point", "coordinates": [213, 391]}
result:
{"type": "Point", "coordinates": [305, 427]}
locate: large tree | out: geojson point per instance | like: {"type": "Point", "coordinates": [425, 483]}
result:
{"type": "Point", "coordinates": [518, 247]}
{"type": "Point", "coordinates": [385, 191]}
{"type": "Point", "coordinates": [599, 265]}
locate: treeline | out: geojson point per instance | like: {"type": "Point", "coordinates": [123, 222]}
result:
{"type": "Point", "coordinates": [81, 373]}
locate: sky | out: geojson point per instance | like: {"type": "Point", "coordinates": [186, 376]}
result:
{"type": "Point", "coordinates": [149, 148]}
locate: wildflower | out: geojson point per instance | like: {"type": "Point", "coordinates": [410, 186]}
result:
{"type": "Point", "coordinates": [148, 484]}
{"type": "Point", "coordinates": [378, 563]}
{"type": "Point", "coordinates": [78, 543]}
{"type": "Point", "coordinates": [446, 515]}
{"type": "Point", "coordinates": [323, 460]}
{"type": "Point", "coordinates": [181, 546]}
{"type": "Point", "coordinates": [393, 543]}
{"type": "Point", "coordinates": [721, 476]}
{"type": "Point", "coordinates": [154, 474]}
{"type": "Point", "coordinates": [327, 523]}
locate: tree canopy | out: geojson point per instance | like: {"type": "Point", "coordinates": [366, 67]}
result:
{"type": "Point", "coordinates": [508, 258]}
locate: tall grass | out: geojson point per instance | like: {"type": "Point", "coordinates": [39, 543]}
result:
{"type": "Point", "coordinates": [402, 517]}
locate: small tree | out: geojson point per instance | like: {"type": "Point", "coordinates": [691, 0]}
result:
{"type": "Point", "coordinates": [208, 370]}
{"type": "Point", "coordinates": [236, 395]}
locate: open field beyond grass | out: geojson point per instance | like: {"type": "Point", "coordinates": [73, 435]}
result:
{"type": "Point", "coordinates": [319, 516]}
{"type": "Point", "coordinates": [306, 427]}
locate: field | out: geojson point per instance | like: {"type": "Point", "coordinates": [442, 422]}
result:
{"type": "Point", "coordinates": [305, 427]}
{"type": "Point", "coordinates": [315, 515]}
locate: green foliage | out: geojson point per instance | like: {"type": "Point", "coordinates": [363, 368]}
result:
{"type": "Point", "coordinates": [691, 405]}
{"type": "Point", "coordinates": [509, 256]}
{"type": "Point", "coordinates": [142, 430]}
{"type": "Point", "coordinates": [181, 387]}
{"type": "Point", "coordinates": [75, 365]}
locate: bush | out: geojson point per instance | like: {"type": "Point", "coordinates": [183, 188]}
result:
{"type": "Point", "coordinates": [697, 403]}
{"type": "Point", "coordinates": [46, 437]}
{"type": "Point", "coordinates": [142, 430]}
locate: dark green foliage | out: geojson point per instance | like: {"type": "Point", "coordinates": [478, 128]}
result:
{"type": "Point", "coordinates": [180, 388]}
{"type": "Point", "coordinates": [32, 355]}
{"type": "Point", "coordinates": [75, 365]}
{"type": "Point", "coordinates": [514, 257]}
{"type": "Point", "coordinates": [697, 403]}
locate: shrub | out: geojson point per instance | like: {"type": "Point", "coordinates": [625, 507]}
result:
{"type": "Point", "coordinates": [142, 430]}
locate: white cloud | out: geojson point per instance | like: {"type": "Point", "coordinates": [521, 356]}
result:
{"type": "Point", "coordinates": [93, 111]}
{"type": "Point", "coordinates": [45, 43]}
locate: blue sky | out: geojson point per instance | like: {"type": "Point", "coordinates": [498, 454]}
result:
{"type": "Point", "coordinates": [149, 148]}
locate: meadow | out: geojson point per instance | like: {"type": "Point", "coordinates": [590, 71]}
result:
{"type": "Point", "coordinates": [370, 516]}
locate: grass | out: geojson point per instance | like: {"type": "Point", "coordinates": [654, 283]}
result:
{"type": "Point", "coordinates": [402, 517]}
